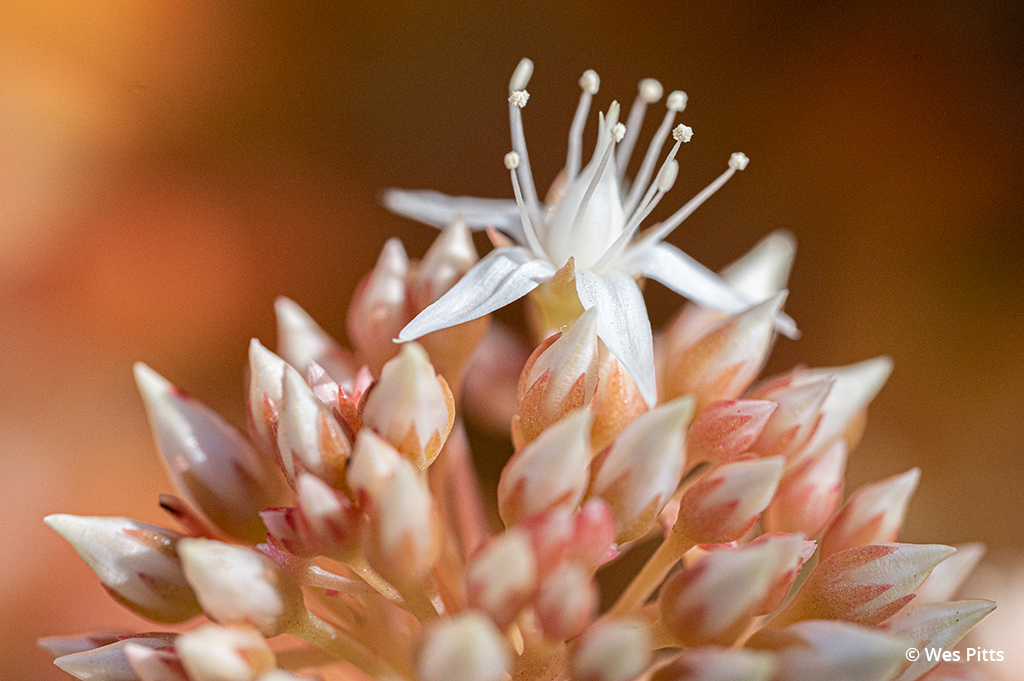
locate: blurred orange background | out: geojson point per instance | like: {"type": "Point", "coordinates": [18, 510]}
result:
{"type": "Point", "coordinates": [168, 167]}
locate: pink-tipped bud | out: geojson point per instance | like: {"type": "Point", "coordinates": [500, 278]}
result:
{"type": "Point", "coordinates": [209, 460]}
{"type": "Point", "coordinates": [713, 600]}
{"type": "Point", "coordinates": [873, 515]}
{"type": "Point", "coordinates": [59, 646]}
{"type": "Point", "coordinates": [819, 650]}
{"type": "Point", "coordinates": [300, 341]}
{"type": "Point", "coordinates": [567, 601]}
{"type": "Point", "coordinates": [934, 628]}
{"type": "Point", "coordinates": [501, 578]}
{"type": "Point", "coordinates": [809, 494]}
{"type": "Point", "coordinates": [947, 577]}
{"type": "Point", "coordinates": [155, 665]}
{"type": "Point", "coordinates": [136, 562]}
{"type": "Point", "coordinates": [411, 406]}
{"type": "Point", "coordinates": [559, 378]}
{"type": "Point", "coordinates": [266, 372]}
{"type": "Point", "coordinates": [726, 429]}
{"type": "Point", "coordinates": [239, 585]}
{"type": "Point", "coordinates": [109, 662]}
{"type": "Point", "coordinates": [712, 663]}
{"type": "Point", "coordinates": [378, 310]}
{"type": "Point", "coordinates": [325, 522]}
{"type": "Point", "coordinates": [553, 470]}
{"type": "Point", "coordinates": [611, 650]}
{"type": "Point", "coordinates": [308, 436]}
{"type": "Point", "coordinates": [215, 653]}
{"type": "Point", "coordinates": [640, 471]}
{"type": "Point", "coordinates": [466, 647]}
{"type": "Point", "coordinates": [587, 537]}
{"type": "Point", "coordinates": [866, 584]}
{"type": "Point", "coordinates": [796, 417]}
{"type": "Point", "coordinates": [726, 502]}
{"type": "Point", "coordinates": [723, 363]}
{"type": "Point", "coordinates": [785, 573]}
{"type": "Point", "coordinates": [616, 402]}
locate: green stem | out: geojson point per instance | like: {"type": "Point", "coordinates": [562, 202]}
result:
{"type": "Point", "coordinates": [314, 630]}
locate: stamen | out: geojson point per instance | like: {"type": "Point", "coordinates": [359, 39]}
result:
{"type": "Point", "coordinates": [615, 134]}
{"type": "Point", "coordinates": [512, 163]}
{"type": "Point", "coordinates": [737, 161]}
{"type": "Point", "coordinates": [589, 82]}
{"type": "Point", "coordinates": [675, 103]}
{"type": "Point", "coordinates": [521, 76]}
{"type": "Point", "coordinates": [681, 133]}
{"type": "Point", "coordinates": [516, 101]}
{"type": "Point", "coordinates": [650, 91]}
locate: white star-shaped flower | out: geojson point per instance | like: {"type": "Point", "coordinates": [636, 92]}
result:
{"type": "Point", "coordinates": [591, 218]}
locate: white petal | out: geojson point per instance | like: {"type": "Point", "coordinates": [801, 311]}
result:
{"type": "Point", "coordinates": [437, 209]}
{"type": "Point", "coordinates": [502, 276]}
{"type": "Point", "coordinates": [687, 277]}
{"type": "Point", "coordinates": [622, 324]}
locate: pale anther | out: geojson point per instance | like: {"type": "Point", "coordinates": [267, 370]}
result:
{"type": "Point", "coordinates": [682, 133]}
{"type": "Point", "coordinates": [519, 98]}
{"type": "Point", "coordinates": [619, 131]}
{"type": "Point", "coordinates": [590, 81]}
{"type": "Point", "coordinates": [521, 76]}
{"type": "Point", "coordinates": [738, 161]}
{"type": "Point", "coordinates": [650, 90]}
{"type": "Point", "coordinates": [676, 101]}
{"type": "Point", "coordinates": [511, 160]}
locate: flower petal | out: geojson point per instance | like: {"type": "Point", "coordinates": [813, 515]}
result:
{"type": "Point", "coordinates": [622, 324]}
{"type": "Point", "coordinates": [687, 277]}
{"type": "Point", "coordinates": [502, 276]}
{"type": "Point", "coordinates": [437, 209]}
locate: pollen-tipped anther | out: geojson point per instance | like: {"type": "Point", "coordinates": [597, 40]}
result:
{"type": "Point", "coordinates": [511, 160]}
{"type": "Point", "coordinates": [676, 101]}
{"type": "Point", "coordinates": [682, 133]}
{"type": "Point", "coordinates": [519, 98]}
{"type": "Point", "coordinates": [738, 161]}
{"type": "Point", "coordinates": [650, 90]}
{"type": "Point", "coordinates": [590, 81]}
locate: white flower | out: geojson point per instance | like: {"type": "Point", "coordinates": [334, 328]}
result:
{"type": "Point", "coordinates": [589, 218]}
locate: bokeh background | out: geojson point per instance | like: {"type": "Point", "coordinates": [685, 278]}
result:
{"type": "Point", "coordinates": [168, 167]}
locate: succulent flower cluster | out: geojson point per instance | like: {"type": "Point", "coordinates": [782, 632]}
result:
{"type": "Point", "coordinates": [352, 519]}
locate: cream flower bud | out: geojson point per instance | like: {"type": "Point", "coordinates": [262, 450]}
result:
{"type": "Point", "coordinates": [135, 561]}
{"type": "Point", "coordinates": [501, 577]}
{"type": "Point", "coordinates": [553, 470]}
{"type": "Point", "coordinates": [560, 377]}
{"type": "Point", "coordinates": [308, 436]}
{"type": "Point", "coordinates": [866, 584]}
{"type": "Point", "coordinates": [724, 362]}
{"type": "Point", "coordinates": [466, 647]}
{"type": "Point", "coordinates": [873, 515]}
{"type": "Point", "coordinates": [796, 417]}
{"type": "Point", "coordinates": [947, 577]}
{"type": "Point", "coordinates": [208, 459]}
{"type": "Point", "coordinates": [809, 494]}
{"type": "Point", "coordinates": [641, 470]}
{"type": "Point", "coordinates": [764, 270]}
{"type": "Point", "coordinates": [411, 406]}
{"type": "Point", "coordinates": [611, 650]}
{"type": "Point", "coordinates": [155, 665]}
{"type": "Point", "coordinates": [712, 663]}
{"type": "Point", "coordinates": [935, 627]}
{"type": "Point", "coordinates": [450, 256]}
{"type": "Point", "coordinates": [239, 585]}
{"type": "Point", "coordinates": [300, 340]}
{"type": "Point", "coordinates": [378, 308]}
{"type": "Point", "coordinates": [616, 402]}
{"type": "Point", "coordinates": [325, 522]}
{"type": "Point", "coordinates": [109, 662]}
{"type": "Point", "coordinates": [215, 653]}
{"type": "Point", "coordinates": [726, 502]}
{"type": "Point", "coordinates": [59, 646]}
{"type": "Point", "coordinates": [726, 429]}
{"type": "Point", "coordinates": [266, 371]}
{"type": "Point", "coordinates": [820, 650]}
{"type": "Point", "coordinates": [566, 602]}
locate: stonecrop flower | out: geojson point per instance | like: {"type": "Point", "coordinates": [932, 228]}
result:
{"type": "Point", "coordinates": [351, 517]}
{"type": "Point", "coordinates": [587, 230]}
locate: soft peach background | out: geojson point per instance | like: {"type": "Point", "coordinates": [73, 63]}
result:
{"type": "Point", "coordinates": [168, 167]}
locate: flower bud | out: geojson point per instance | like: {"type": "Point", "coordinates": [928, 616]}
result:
{"type": "Point", "coordinates": [819, 650]}
{"type": "Point", "coordinates": [865, 584]}
{"type": "Point", "coordinates": [136, 562]}
{"type": "Point", "coordinates": [466, 647]}
{"type": "Point", "coordinates": [611, 650]}
{"type": "Point", "coordinates": [553, 470]}
{"type": "Point", "coordinates": [266, 373]}
{"type": "Point", "coordinates": [501, 578]}
{"type": "Point", "coordinates": [411, 406]}
{"type": "Point", "coordinates": [935, 627]}
{"type": "Point", "coordinates": [308, 436]}
{"type": "Point", "coordinates": [446, 261]}
{"type": "Point", "coordinates": [726, 429]}
{"type": "Point", "coordinates": [559, 378]}
{"type": "Point", "coordinates": [566, 602]}
{"type": "Point", "coordinates": [300, 341]}
{"type": "Point", "coordinates": [208, 459]}
{"type": "Point", "coordinates": [947, 577]}
{"type": "Point", "coordinates": [728, 499]}
{"type": "Point", "coordinates": [155, 665]}
{"type": "Point", "coordinates": [239, 585]}
{"type": "Point", "coordinates": [325, 522]}
{"type": "Point", "coordinates": [215, 653]}
{"type": "Point", "coordinates": [616, 402]}
{"type": "Point", "coordinates": [378, 308]}
{"type": "Point", "coordinates": [724, 362]}
{"type": "Point", "coordinates": [873, 515]}
{"type": "Point", "coordinates": [809, 494]}
{"type": "Point", "coordinates": [109, 662]}
{"type": "Point", "coordinates": [640, 471]}
{"type": "Point", "coordinates": [796, 417]}
{"type": "Point", "coordinates": [785, 572]}
{"type": "Point", "coordinates": [59, 646]}
{"type": "Point", "coordinates": [718, 664]}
